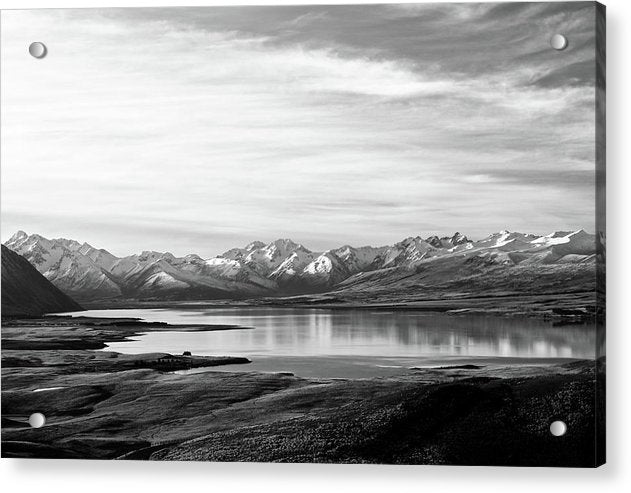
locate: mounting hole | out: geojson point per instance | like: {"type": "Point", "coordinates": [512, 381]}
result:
{"type": "Point", "coordinates": [37, 420]}
{"type": "Point", "coordinates": [558, 42]}
{"type": "Point", "coordinates": [37, 49]}
{"type": "Point", "coordinates": [558, 428]}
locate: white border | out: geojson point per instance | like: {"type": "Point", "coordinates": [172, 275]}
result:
{"type": "Point", "coordinates": [51, 476]}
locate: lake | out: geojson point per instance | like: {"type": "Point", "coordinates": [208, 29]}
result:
{"type": "Point", "coordinates": [355, 343]}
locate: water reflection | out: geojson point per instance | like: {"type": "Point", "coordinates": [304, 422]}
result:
{"type": "Point", "coordinates": [318, 332]}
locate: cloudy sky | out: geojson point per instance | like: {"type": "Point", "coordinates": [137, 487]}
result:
{"type": "Point", "coordinates": [200, 129]}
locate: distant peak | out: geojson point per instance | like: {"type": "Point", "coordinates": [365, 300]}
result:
{"type": "Point", "coordinates": [410, 239]}
{"type": "Point", "coordinates": [150, 253]}
{"type": "Point", "coordinates": [579, 233]}
{"type": "Point", "coordinates": [434, 241]}
{"type": "Point", "coordinates": [344, 248]}
{"type": "Point", "coordinates": [559, 234]}
{"type": "Point", "coordinates": [18, 236]}
{"type": "Point", "coordinates": [285, 244]}
{"type": "Point", "coordinates": [459, 239]}
{"type": "Point", "coordinates": [72, 245]}
{"type": "Point", "coordinates": [284, 241]}
{"type": "Point", "coordinates": [254, 245]}
{"type": "Point", "coordinates": [67, 240]}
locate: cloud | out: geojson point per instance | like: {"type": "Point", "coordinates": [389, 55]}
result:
{"type": "Point", "coordinates": [202, 129]}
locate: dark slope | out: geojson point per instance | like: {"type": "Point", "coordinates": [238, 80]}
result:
{"type": "Point", "coordinates": [26, 292]}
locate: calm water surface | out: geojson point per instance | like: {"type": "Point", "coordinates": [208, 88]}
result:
{"type": "Point", "coordinates": [321, 342]}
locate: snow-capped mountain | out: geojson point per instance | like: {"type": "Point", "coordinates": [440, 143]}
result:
{"type": "Point", "coordinates": [266, 259]}
{"type": "Point", "coordinates": [360, 259]}
{"type": "Point", "coordinates": [285, 267]}
{"type": "Point", "coordinates": [334, 266]}
{"type": "Point", "coordinates": [447, 241]}
{"type": "Point", "coordinates": [240, 253]}
{"type": "Point", "coordinates": [291, 268]}
{"type": "Point", "coordinates": [62, 263]}
{"type": "Point", "coordinates": [506, 241]}
{"type": "Point", "coordinates": [504, 263]}
{"type": "Point", "coordinates": [87, 273]}
{"type": "Point", "coordinates": [409, 252]}
{"type": "Point", "coordinates": [325, 271]}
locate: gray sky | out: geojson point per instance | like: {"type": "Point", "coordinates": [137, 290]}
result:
{"type": "Point", "coordinates": [197, 130]}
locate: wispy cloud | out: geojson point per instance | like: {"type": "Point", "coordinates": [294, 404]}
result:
{"type": "Point", "coordinates": [226, 125]}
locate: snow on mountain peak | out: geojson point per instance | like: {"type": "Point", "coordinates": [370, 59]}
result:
{"type": "Point", "coordinates": [504, 238]}
{"type": "Point", "coordinates": [254, 245]}
{"type": "Point", "coordinates": [459, 239]}
{"type": "Point", "coordinates": [554, 238]}
{"type": "Point", "coordinates": [18, 236]}
{"type": "Point", "coordinates": [21, 238]}
{"type": "Point", "coordinates": [258, 268]}
{"type": "Point", "coordinates": [192, 257]}
{"type": "Point", "coordinates": [284, 244]}
{"type": "Point", "coordinates": [447, 241]}
{"type": "Point", "coordinates": [292, 265]}
{"type": "Point", "coordinates": [562, 243]}
{"type": "Point", "coordinates": [321, 265]}
{"type": "Point", "coordinates": [267, 259]}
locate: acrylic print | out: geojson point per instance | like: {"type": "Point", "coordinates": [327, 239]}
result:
{"type": "Point", "coordinates": [344, 234]}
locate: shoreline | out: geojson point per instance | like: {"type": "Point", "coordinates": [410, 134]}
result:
{"type": "Point", "coordinates": [94, 332]}
{"type": "Point", "coordinates": [319, 364]}
{"type": "Point", "coordinates": [103, 405]}
{"type": "Point", "coordinates": [563, 307]}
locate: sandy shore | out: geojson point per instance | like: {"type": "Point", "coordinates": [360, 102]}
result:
{"type": "Point", "coordinates": [100, 404]}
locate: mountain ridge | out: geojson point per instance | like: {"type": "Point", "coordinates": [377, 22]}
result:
{"type": "Point", "coordinates": [284, 267]}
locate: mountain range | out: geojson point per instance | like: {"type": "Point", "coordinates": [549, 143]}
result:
{"type": "Point", "coordinates": [504, 261]}
{"type": "Point", "coordinates": [26, 292]}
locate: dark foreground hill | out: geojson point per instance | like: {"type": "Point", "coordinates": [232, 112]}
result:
{"type": "Point", "coordinates": [27, 292]}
